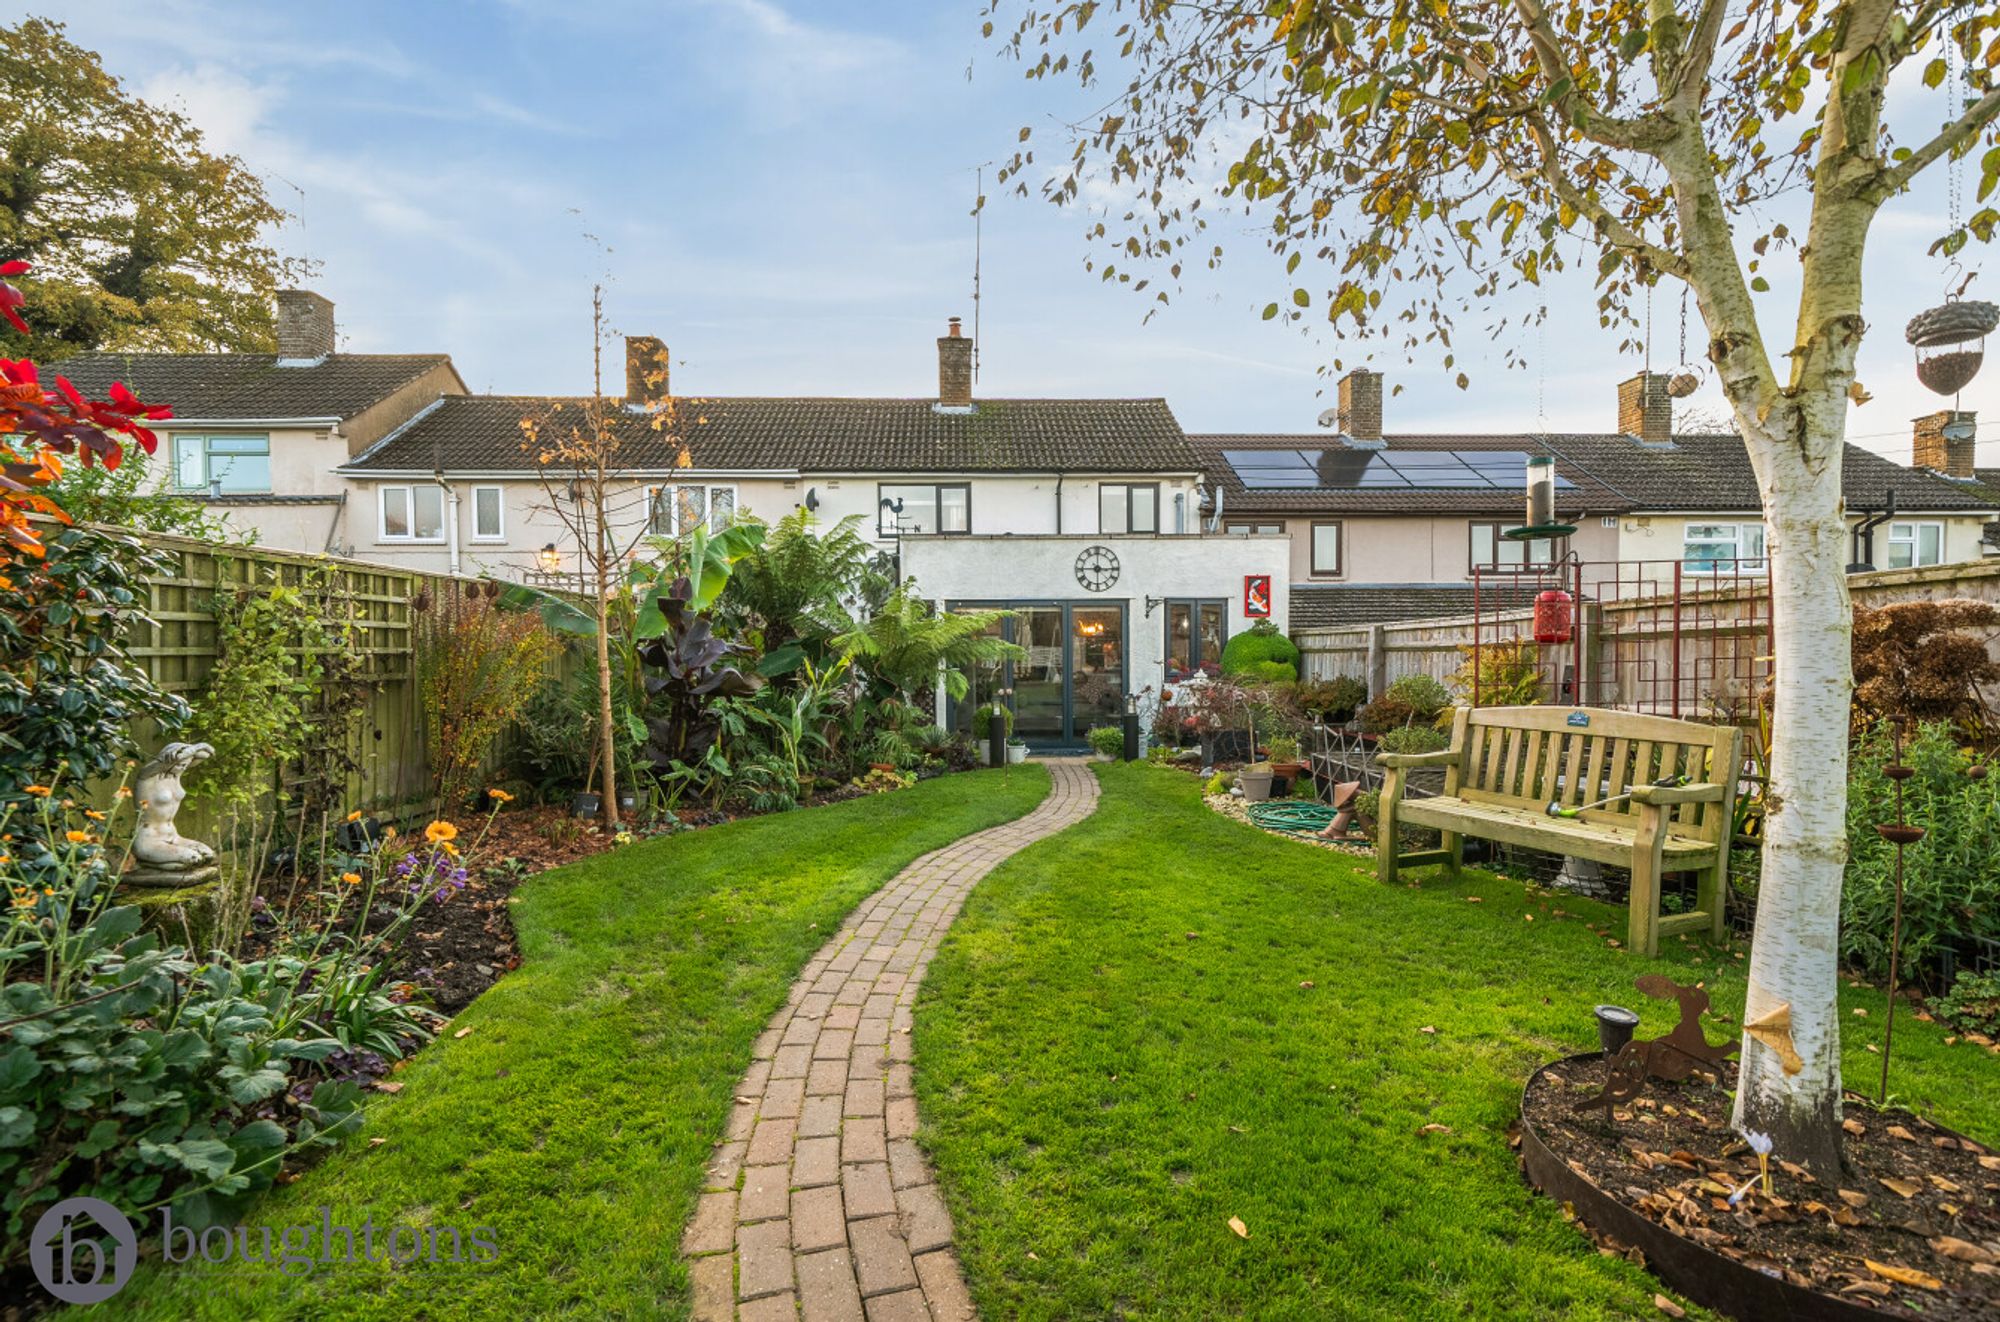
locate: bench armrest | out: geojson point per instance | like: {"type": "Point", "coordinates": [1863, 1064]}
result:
{"type": "Point", "coordinates": [1666, 796]}
{"type": "Point", "coordinates": [1442, 758]}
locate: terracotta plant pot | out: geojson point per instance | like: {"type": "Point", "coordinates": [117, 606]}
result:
{"type": "Point", "coordinates": [1256, 785]}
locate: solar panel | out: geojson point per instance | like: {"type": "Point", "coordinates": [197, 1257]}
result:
{"type": "Point", "coordinates": [1340, 469]}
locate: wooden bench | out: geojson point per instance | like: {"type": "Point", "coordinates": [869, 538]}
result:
{"type": "Point", "coordinates": [1653, 795]}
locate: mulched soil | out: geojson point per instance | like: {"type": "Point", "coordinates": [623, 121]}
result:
{"type": "Point", "coordinates": [1912, 1229]}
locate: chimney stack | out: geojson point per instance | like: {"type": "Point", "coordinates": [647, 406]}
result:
{"type": "Point", "coordinates": [1645, 409]}
{"type": "Point", "coordinates": [1944, 442]}
{"type": "Point", "coordinates": [305, 325]}
{"type": "Point", "coordinates": [1360, 408]}
{"type": "Point", "coordinates": [954, 369]}
{"type": "Point", "coordinates": [647, 370]}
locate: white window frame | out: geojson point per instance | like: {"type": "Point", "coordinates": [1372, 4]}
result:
{"type": "Point", "coordinates": [1736, 529]}
{"type": "Point", "coordinates": [208, 456]}
{"type": "Point", "coordinates": [499, 511]}
{"type": "Point", "coordinates": [1909, 532]}
{"type": "Point", "coordinates": [409, 492]}
{"type": "Point", "coordinates": [663, 509]}
{"type": "Point", "coordinates": [1254, 529]}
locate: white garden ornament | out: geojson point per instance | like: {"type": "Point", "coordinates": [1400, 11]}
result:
{"type": "Point", "coordinates": [161, 855]}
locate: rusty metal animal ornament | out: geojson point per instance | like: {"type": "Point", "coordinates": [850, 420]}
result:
{"type": "Point", "coordinates": [1675, 1057]}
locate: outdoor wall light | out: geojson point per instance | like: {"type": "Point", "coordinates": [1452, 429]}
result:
{"type": "Point", "coordinates": [550, 558]}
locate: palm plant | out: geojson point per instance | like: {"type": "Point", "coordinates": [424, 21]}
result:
{"type": "Point", "coordinates": [907, 645]}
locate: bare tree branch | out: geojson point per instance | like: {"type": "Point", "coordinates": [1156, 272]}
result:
{"type": "Point", "coordinates": [1894, 178]}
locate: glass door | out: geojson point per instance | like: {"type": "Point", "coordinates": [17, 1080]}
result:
{"type": "Point", "coordinates": [1039, 677]}
{"type": "Point", "coordinates": [1097, 667]}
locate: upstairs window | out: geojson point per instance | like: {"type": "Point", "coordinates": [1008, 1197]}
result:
{"type": "Point", "coordinates": [1254, 529]}
{"type": "Point", "coordinates": [1913, 545]}
{"type": "Point", "coordinates": [678, 510]}
{"type": "Point", "coordinates": [1723, 548]}
{"type": "Point", "coordinates": [1492, 553]}
{"type": "Point", "coordinates": [915, 508]}
{"type": "Point", "coordinates": [1126, 507]}
{"type": "Point", "coordinates": [233, 465]}
{"type": "Point", "coordinates": [488, 515]}
{"type": "Point", "coordinates": [413, 514]}
{"type": "Point", "coordinates": [1326, 550]}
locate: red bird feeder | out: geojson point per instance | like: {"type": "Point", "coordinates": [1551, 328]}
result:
{"type": "Point", "coordinates": [1555, 616]}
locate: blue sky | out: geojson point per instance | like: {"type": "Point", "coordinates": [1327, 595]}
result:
{"type": "Point", "coordinates": [784, 188]}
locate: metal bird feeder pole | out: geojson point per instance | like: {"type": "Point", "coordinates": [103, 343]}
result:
{"type": "Point", "coordinates": [1901, 834]}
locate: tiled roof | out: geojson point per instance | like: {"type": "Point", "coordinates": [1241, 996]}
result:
{"type": "Point", "coordinates": [251, 385]}
{"type": "Point", "coordinates": [1337, 605]}
{"type": "Point", "coordinates": [1613, 473]}
{"type": "Point", "coordinates": [482, 433]}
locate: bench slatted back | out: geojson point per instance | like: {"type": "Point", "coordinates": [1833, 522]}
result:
{"type": "Point", "coordinates": [1534, 756]}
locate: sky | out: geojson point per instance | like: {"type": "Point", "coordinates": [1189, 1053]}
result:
{"type": "Point", "coordinates": [782, 190]}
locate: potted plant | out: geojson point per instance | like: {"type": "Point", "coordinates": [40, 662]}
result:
{"type": "Point", "coordinates": [1255, 782]}
{"type": "Point", "coordinates": [982, 727]}
{"type": "Point", "coordinates": [1107, 741]}
{"type": "Point", "coordinates": [586, 803]}
{"type": "Point", "coordinates": [1017, 750]}
{"type": "Point", "coordinates": [1283, 752]}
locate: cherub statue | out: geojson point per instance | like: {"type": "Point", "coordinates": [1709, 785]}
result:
{"type": "Point", "coordinates": [161, 854]}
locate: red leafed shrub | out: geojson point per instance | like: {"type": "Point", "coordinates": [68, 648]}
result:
{"type": "Point", "coordinates": [41, 425]}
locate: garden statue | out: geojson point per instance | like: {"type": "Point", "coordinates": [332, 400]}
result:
{"type": "Point", "coordinates": [161, 856]}
{"type": "Point", "coordinates": [1675, 1057]}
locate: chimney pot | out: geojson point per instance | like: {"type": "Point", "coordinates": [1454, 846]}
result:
{"type": "Point", "coordinates": [954, 368]}
{"type": "Point", "coordinates": [1360, 408]}
{"type": "Point", "coordinates": [647, 369]}
{"type": "Point", "coordinates": [1646, 409]}
{"type": "Point", "coordinates": [1944, 442]}
{"type": "Point", "coordinates": [305, 325]}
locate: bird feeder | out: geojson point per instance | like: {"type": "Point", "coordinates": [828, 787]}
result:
{"type": "Point", "coordinates": [1541, 525]}
{"type": "Point", "coordinates": [1950, 340]}
{"type": "Point", "coordinates": [1555, 616]}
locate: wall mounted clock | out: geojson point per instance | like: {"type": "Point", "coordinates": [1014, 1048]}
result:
{"type": "Point", "coordinates": [1097, 568]}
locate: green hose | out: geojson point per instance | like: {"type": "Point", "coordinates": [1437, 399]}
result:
{"type": "Point", "coordinates": [1299, 817]}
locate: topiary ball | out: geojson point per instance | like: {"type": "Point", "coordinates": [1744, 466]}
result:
{"type": "Point", "coordinates": [1260, 645]}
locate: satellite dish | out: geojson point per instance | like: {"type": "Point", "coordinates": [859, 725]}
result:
{"type": "Point", "coordinates": [1330, 418]}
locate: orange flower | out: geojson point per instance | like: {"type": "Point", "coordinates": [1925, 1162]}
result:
{"type": "Point", "coordinates": [124, 791]}
{"type": "Point", "coordinates": [78, 837]}
{"type": "Point", "coordinates": [351, 878]}
{"type": "Point", "coordinates": [354, 816]}
{"type": "Point", "coordinates": [440, 831]}
{"type": "Point", "coordinates": [93, 814]}
{"type": "Point", "coordinates": [499, 796]}
{"type": "Point", "coordinates": [39, 791]}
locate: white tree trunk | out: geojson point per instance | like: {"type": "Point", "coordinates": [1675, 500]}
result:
{"type": "Point", "coordinates": [1794, 954]}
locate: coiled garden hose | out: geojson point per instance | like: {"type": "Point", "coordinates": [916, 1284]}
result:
{"type": "Point", "coordinates": [1298, 817]}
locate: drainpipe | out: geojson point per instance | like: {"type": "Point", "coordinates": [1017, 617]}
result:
{"type": "Point", "coordinates": [1215, 520]}
{"type": "Point", "coordinates": [1864, 535]}
{"type": "Point", "coordinates": [1059, 480]}
{"type": "Point", "coordinates": [332, 546]}
{"type": "Point", "coordinates": [450, 522]}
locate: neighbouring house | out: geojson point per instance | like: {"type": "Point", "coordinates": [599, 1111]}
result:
{"type": "Point", "coordinates": [260, 438]}
{"type": "Point", "coordinates": [1080, 516]}
{"type": "Point", "coordinates": [1402, 526]}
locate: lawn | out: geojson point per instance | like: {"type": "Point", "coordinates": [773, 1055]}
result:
{"type": "Point", "coordinates": [1162, 1019]}
{"type": "Point", "coordinates": [576, 1115]}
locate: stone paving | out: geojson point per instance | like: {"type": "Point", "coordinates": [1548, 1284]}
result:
{"type": "Point", "coordinates": [819, 1202]}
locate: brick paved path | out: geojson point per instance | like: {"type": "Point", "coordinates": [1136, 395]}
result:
{"type": "Point", "coordinates": [819, 1200]}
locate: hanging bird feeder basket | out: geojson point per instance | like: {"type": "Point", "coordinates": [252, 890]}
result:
{"type": "Point", "coordinates": [1950, 340]}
